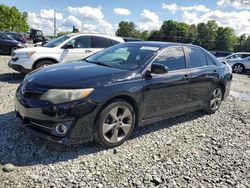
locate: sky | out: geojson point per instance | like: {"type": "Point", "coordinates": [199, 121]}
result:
{"type": "Point", "coordinates": [103, 16]}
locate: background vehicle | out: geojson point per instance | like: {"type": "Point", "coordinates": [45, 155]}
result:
{"type": "Point", "coordinates": [8, 44]}
{"type": "Point", "coordinates": [221, 53]}
{"type": "Point", "coordinates": [131, 84]}
{"type": "Point", "coordinates": [240, 66]}
{"type": "Point", "coordinates": [235, 56]}
{"type": "Point", "coordinates": [17, 36]}
{"type": "Point", "coordinates": [37, 35]}
{"type": "Point", "coordinates": [60, 50]}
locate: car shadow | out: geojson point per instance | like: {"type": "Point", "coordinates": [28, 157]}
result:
{"type": "Point", "coordinates": [13, 78]}
{"type": "Point", "coordinates": [22, 149]}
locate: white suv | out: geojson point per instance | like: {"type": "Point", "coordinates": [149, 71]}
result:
{"type": "Point", "coordinates": [66, 48]}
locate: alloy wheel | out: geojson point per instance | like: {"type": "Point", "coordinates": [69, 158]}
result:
{"type": "Point", "coordinates": [238, 68]}
{"type": "Point", "coordinates": [117, 124]}
{"type": "Point", "coordinates": [216, 99]}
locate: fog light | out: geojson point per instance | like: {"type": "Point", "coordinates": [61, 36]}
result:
{"type": "Point", "coordinates": [61, 129]}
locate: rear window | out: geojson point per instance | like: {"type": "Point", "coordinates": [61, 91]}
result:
{"type": "Point", "coordinates": [197, 57]}
{"type": "Point", "coordinates": [101, 42]}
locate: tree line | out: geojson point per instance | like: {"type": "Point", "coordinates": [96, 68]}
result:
{"type": "Point", "coordinates": [208, 35]}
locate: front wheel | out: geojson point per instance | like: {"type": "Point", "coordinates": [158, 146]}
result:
{"type": "Point", "coordinates": [115, 124]}
{"type": "Point", "coordinates": [43, 63]}
{"type": "Point", "coordinates": [215, 100]}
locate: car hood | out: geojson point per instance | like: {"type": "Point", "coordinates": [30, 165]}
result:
{"type": "Point", "coordinates": [34, 49]}
{"type": "Point", "coordinates": [73, 75]}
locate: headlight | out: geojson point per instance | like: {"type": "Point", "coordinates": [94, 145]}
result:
{"type": "Point", "coordinates": [23, 54]}
{"type": "Point", "coordinates": [57, 96]}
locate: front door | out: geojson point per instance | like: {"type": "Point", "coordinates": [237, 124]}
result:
{"type": "Point", "coordinates": [77, 49]}
{"type": "Point", "coordinates": [167, 93]}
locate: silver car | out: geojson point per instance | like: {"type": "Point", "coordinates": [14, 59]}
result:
{"type": "Point", "coordinates": [234, 56]}
{"type": "Point", "coordinates": [241, 65]}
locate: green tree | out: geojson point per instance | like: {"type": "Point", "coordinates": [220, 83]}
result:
{"type": "Point", "coordinates": [12, 19]}
{"type": "Point", "coordinates": [226, 39]}
{"type": "Point", "coordinates": [144, 35]}
{"type": "Point", "coordinates": [207, 34]}
{"type": "Point", "coordinates": [127, 29]}
{"type": "Point", "coordinates": [192, 34]}
{"type": "Point", "coordinates": [241, 43]}
{"type": "Point", "coordinates": [62, 33]}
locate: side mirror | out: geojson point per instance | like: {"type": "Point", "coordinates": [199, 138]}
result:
{"type": "Point", "coordinates": [68, 46]}
{"type": "Point", "coordinates": [157, 68]}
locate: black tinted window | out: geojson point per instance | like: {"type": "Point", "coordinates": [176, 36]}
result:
{"type": "Point", "coordinates": [101, 42]}
{"type": "Point", "coordinates": [82, 42]}
{"type": "Point", "coordinates": [197, 57]}
{"type": "Point", "coordinates": [173, 58]}
{"type": "Point", "coordinates": [209, 61]}
{"type": "Point", "coordinates": [244, 55]}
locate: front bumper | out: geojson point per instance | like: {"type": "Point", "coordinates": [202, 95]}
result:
{"type": "Point", "coordinates": [21, 65]}
{"type": "Point", "coordinates": [41, 117]}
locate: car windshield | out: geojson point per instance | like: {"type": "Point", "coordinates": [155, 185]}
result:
{"type": "Point", "coordinates": [124, 56]}
{"type": "Point", "coordinates": [57, 41]}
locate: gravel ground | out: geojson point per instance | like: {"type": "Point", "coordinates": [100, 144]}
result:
{"type": "Point", "coordinates": [194, 150]}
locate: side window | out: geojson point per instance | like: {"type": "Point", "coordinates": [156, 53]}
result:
{"type": "Point", "coordinates": [245, 55]}
{"type": "Point", "coordinates": [173, 58]}
{"type": "Point", "coordinates": [196, 57]}
{"type": "Point", "coordinates": [114, 42]}
{"type": "Point", "coordinates": [210, 62]}
{"type": "Point", "coordinates": [101, 42]}
{"type": "Point", "coordinates": [81, 42]}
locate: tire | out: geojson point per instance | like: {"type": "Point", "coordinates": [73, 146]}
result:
{"type": "Point", "coordinates": [43, 63]}
{"type": "Point", "coordinates": [215, 100]}
{"type": "Point", "coordinates": [115, 124]}
{"type": "Point", "coordinates": [238, 68]}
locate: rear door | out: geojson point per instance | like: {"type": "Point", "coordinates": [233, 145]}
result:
{"type": "Point", "coordinates": [204, 74]}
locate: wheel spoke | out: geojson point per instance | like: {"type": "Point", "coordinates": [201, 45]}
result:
{"type": "Point", "coordinates": [126, 128]}
{"type": "Point", "coordinates": [126, 113]}
{"type": "Point", "coordinates": [114, 137]}
{"type": "Point", "coordinates": [107, 127]}
{"type": "Point", "coordinates": [113, 114]}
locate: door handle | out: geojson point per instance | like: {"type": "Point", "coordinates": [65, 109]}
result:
{"type": "Point", "coordinates": [88, 51]}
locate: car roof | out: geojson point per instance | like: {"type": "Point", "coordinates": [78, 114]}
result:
{"type": "Point", "coordinates": [97, 35]}
{"type": "Point", "coordinates": [163, 44]}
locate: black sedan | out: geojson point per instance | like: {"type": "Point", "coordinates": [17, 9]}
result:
{"type": "Point", "coordinates": [8, 45]}
{"type": "Point", "coordinates": [104, 97]}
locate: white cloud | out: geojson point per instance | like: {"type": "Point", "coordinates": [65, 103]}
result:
{"type": "Point", "coordinates": [87, 12]}
{"type": "Point", "coordinates": [173, 8]}
{"type": "Point", "coordinates": [238, 4]}
{"type": "Point", "coordinates": [121, 11]}
{"type": "Point", "coordinates": [71, 21]}
{"type": "Point", "coordinates": [49, 14]}
{"type": "Point", "coordinates": [37, 22]}
{"type": "Point", "coordinates": [239, 20]}
{"type": "Point", "coordinates": [150, 21]}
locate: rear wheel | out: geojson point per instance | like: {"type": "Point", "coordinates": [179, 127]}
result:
{"type": "Point", "coordinates": [115, 124]}
{"type": "Point", "coordinates": [215, 100]}
{"type": "Point", "coordinates": [238, 68]}
{"type": "Point", "coordinates": [43, 63]}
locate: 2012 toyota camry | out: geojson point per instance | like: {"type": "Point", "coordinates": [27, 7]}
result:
{"type": "Point", "coordinates": [104, 97]}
